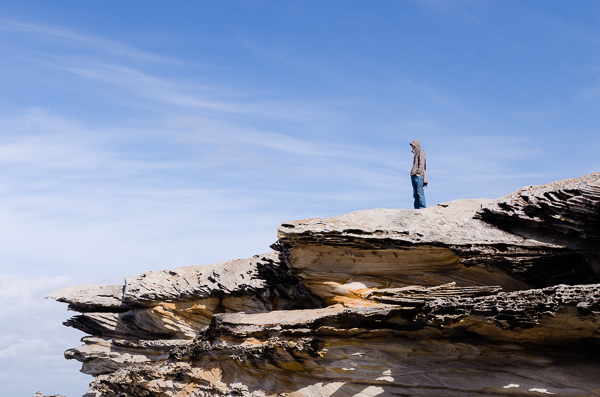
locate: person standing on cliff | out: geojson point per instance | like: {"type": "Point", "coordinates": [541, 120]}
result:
{"type": "Point", "coordinates": [418, 174]}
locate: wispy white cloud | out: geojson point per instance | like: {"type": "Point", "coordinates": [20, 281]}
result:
{"type": "Point", "coordinates": [162, 90]}
{"type": "Point", "coordinates": [121, 72]}
{"type": "Point", "coordinates": [83, 39]}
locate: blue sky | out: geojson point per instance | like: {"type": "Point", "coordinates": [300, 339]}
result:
{"type": "Point", "coordinates": [148, 135]}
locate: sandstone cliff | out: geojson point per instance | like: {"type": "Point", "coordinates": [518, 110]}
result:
{"type": "Point", "coordinates": [467, 298]}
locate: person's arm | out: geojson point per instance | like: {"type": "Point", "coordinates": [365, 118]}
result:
{"type": "Point", "coordinates": [421, 169]}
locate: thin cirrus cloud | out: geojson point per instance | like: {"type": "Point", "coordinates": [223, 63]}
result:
{"type": "Point", "coordinates": [79, 158]}
{"type": "Point", "coordinates": [93, 153]}
{"type": "Point", "coordinates": [81, 39]}
{"type": "Point", "coordinates": [177, 95]}
{"type": "Point", "coordinates": [154, 87]}
{"type": "Point", "coordinates": [162, 90]}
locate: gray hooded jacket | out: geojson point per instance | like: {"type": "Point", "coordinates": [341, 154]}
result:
{"type": "Point", "coordinates": [419, 160]}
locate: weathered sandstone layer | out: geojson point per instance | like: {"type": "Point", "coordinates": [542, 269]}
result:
{"type": "Point", "coordinates": [467, 298]}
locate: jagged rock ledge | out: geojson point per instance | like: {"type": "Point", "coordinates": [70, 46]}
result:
{"type": "Point", "coordinates": [468, 298]}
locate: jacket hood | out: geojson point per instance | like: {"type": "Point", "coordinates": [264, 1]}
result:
{"type": "Point", "coordinates": [416, 144]}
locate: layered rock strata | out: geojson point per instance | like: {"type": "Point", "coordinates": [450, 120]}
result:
{"type": "Point", "coordinates": [467, 298]}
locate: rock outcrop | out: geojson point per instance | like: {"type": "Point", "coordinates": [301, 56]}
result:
{"type": "Point", "coordinates": [467, 298]}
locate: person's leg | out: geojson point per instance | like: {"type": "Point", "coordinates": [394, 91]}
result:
{"type": "Point", "coordinates": [418, 192]}
{"type": "Point", "coordinates": [421, 192]}
{"type": "Point", "coordinates": [415, 185]}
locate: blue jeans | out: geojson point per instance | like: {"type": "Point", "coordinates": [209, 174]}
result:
{"type": "Point", "coordinates": [418, 193]}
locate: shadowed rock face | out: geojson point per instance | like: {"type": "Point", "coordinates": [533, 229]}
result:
{"type": "Point", "coordinates": [468, 298]}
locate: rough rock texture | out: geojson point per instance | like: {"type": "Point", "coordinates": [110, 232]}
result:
{"type": "Point", "coordinates": [566, 212]}
{"type": "Point", "coordinates": [468, 298]}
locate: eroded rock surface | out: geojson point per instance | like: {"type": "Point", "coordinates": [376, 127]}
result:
{"type": "Point", "coordinates": [468, 298]}
{"type": "Point", "coordinates": [566, 212]}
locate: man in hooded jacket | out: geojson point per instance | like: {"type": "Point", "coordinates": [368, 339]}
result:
{"type": "Point", "coordinates": [417, 174]}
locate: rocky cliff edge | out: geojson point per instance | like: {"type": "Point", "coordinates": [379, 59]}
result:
{"type": "Point", "coordinates": [467, 298]}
